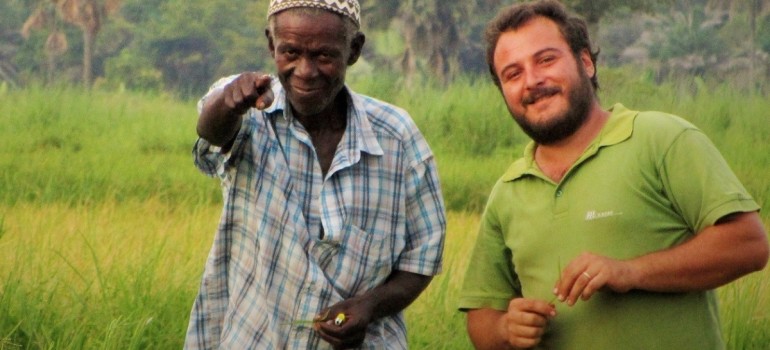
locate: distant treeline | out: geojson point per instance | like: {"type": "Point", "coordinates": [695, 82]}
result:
{"type": "Point", "coordinates": [182, 46]}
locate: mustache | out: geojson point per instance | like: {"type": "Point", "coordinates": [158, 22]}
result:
{"type": "Point", "coordinates": [539, 92]}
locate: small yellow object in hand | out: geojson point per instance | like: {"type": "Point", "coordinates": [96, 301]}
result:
{"type": "Point", "coordinates": [340, 319]}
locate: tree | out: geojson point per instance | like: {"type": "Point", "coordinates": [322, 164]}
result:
{"type": "Point", "coordinates": [421, 28]}
{"type": "Point", "coordinates": [754, 9]}
{"type": "Point", "coordinates": [434, 31]}
{"type": "Point", "coordinates": [87, 15]}
{"type": "Point", "coordinates": [11, 19]}
{"type": "Point", "coordinates": [594, 10]}
{"type": "Point", "coordinates": [44, 18]}
{"type": "Point", "coordinates": [184, 46]}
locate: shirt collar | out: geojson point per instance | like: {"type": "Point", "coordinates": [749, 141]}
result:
{"type": "Point", "coordinates": [359, 135]}
{"type": "Point", "coordinates": [618, 129]}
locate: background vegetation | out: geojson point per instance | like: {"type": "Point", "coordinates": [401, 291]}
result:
{"type": "Point", "coordinates": [181, 46]}
{"type": "Point", "coordinates": [105, 223]}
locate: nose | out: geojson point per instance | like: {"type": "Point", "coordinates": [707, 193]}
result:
{"type": "Point", "coordinates": [534, 77]}
{"type": "Point", "coordinates": [306, 68]}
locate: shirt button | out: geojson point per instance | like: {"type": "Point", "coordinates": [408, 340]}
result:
{"type": "Point", "coordinates": [559, 193]}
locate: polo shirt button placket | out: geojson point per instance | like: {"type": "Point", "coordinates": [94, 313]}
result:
{"type": "Point", "coordinates": [560, 205]}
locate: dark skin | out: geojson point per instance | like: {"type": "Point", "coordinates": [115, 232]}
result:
{"type": "Point", "coordinates": [311, 56]}
{"type": "Point", "coordinates": [398, 291]}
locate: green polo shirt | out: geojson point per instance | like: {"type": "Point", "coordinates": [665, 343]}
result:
{"type": "Point", "coordinates": [649, 181]}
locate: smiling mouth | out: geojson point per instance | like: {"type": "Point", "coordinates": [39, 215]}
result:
{"type": "Point", "coordinates": [305, 90]}
{"type": "Point", "coordinates": [540, 94]}
{"type": "Point", "coordinates": [301, 91]}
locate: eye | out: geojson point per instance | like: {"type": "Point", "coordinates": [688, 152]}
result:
{"type": "Point", "coordinates": [547, 59]}
{"type": "Point", "coordinates": [512, 74]}
{"type": "Point", "coordinates": [290, 53]}
{"type": "Point", "coordinates": [326, 56]}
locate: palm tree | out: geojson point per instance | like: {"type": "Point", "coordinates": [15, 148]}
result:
{"type": "Point", "coordinates": [44, 18]}
{"type": "Point", "coordinates": [87, 15]}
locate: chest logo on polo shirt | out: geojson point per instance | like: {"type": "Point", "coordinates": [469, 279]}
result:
{"type": "Point", "coordinates": [595, 215]}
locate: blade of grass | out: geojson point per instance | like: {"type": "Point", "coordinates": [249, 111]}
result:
{"type": "Point", "coordinates": [558, 278]}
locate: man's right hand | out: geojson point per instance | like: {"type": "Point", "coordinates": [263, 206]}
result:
{"type": "Point", "coordinates": [520, 327]}
{"type": "Point", "coordinates": [523, 325]}
{"type": "Point", "coordinates": [223, 109]}
{"type": "Point", "coordinates": [250, 89]}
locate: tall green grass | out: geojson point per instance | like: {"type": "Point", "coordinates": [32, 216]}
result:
{"type": "Point", "coordinates": [100, 276]}
{"type": "Point", "coordinates": [66, 145]}
{"type": "Point", "coordinates": [105, 223]}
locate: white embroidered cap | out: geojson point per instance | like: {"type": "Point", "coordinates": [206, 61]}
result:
{"type": "Point", "coordinates": [349, 8]}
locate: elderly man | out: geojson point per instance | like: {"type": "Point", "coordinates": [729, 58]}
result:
{"type": "Point", "coordinates": [333, 219]}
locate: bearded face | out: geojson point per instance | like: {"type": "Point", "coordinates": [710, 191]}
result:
{"type": "Point", "coordinates": [546, 87]}
{"type": "Point", "coordinates": [565, 122]}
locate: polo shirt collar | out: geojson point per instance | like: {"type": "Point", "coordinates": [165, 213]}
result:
{"type": "Point", "coordinates": [618, 128]}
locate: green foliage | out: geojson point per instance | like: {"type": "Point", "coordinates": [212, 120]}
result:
{"type": "Point", "coordinates": [618, 32]}
{"type": "Point", "coordinates": [70, 135]}
{"type": "Point", "coordinates": [102, 281]}
{"type": "Point", "coordinates": [10, 39]}
{"type": "Point", "coordinates": [594, 10]}
{"type": "Point", "coordinates": [745, 327]}
{"type": "Point", "coordinates": [763, 33]}
{"type": "Point", "coordinates": [469, 128]}
{"type": "Point", "coordinates": [686, 40]}
{"type": "Point", "coordinates": [184, 46]}
{"type": "Point", "coordinates": [134, 71]}
{"type": "Point", "coordinates": [471, 132]}
{"type": "Point", "coordinates": [98, 197]}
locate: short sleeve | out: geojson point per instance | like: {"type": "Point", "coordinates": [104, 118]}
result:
{"type": "Point", "coordinates": [700, 183]}
{"type": "Point", "coordinates": [426, 221]}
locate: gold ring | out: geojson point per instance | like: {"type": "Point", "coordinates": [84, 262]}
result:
{"type": "Point", "coordinates": [587, 275]}
{"type": "Point", "coordinates": [340, 319]}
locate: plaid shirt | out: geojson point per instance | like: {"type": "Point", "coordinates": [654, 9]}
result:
{"type": "Point", "coordinates": [291, 242]}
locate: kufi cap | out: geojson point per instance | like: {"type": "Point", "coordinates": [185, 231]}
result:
{"type": "Point", "coordinates": [349, 8]}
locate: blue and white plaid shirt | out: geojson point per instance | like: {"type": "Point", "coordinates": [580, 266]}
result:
{"type": "Point", "coordinates": [291, 242]}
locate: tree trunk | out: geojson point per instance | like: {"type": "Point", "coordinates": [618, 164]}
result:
{"type": "Point", "coordinates": [89, 38]}
{"type": "Point", "coordinates": [50, 68]}
{"type": "Point", "coordinates": [409, 59]}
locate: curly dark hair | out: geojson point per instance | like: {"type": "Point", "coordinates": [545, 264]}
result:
{"type": "Point", "coordinates": [572, 28]}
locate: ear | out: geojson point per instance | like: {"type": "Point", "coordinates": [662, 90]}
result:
{"type": "Point", "coordinates": [270, 44]}
{"type": "Point", "coordinates": [356, 47]}
{"type": "Point", "coordinates": [585, 59]}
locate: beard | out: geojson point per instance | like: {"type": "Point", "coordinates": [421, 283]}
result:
{"type": "Point", "coordinates": [562, 126]}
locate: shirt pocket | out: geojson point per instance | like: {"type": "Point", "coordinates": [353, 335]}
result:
{"type": "Point", "coordinates": [355, 260]}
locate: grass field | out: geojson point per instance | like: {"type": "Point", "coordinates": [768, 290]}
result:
{"type": "Point", "coordinates": [105, 224]}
